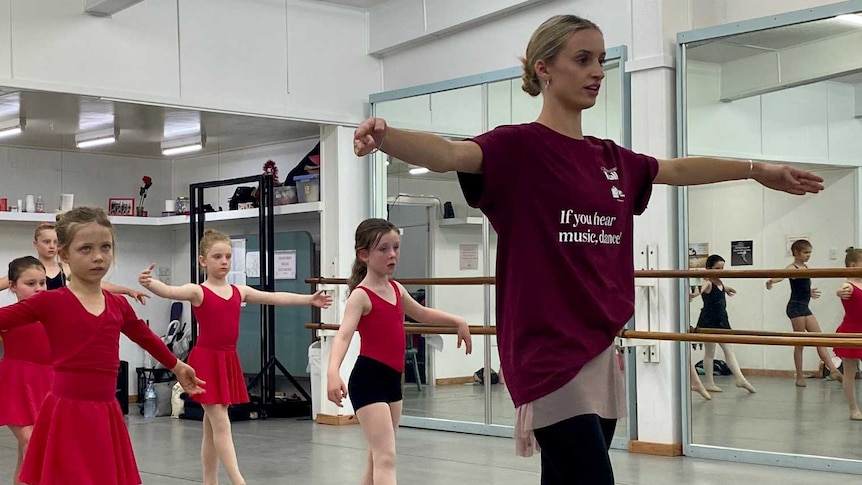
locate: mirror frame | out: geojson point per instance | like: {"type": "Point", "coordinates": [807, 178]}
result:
{"type": "Point", "coordinates": [807, 462]}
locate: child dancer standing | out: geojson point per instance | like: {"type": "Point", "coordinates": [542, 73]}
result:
{"type": "Point", "coordinates": [26, 375]}
{"type": "Point", "coordinates": [800, 315]}
{"type": "Point", "coordinates": [852, 323]}
{"type": "Point", "coordinates": [216, 305]}
{"type": "Point", "coordinates": [80, 435]}
{"type": "Point", "coordinates": [714, 315]}
{"type": "Point", "coordinates": [378, 313]}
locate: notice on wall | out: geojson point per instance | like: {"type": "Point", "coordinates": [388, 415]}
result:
{"type": "Point", "coordinates": [285, 264]}
{"type": "Point", "coordinates": [697, 254]}
{"type": "Point", "coordinates": [741, 253]}
{"type": "Point", "coordinates": [237, 255]}
{"type": "Point", "coordinates": [252, 264]}
{"type": "Point", "coordinates": [469, 256]}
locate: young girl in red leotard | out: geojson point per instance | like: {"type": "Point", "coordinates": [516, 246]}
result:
{"type": "Point", "coordinates": [852, 323]}
{"type": "Point", "coordinates": [216, 305]}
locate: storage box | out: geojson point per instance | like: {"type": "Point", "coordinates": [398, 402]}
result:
{"type": "Point", "coordinates": [308, 188]}
{"type": "Point", "coordinates": [285, 195]}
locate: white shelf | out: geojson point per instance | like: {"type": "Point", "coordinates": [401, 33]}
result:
{"type": "Point", "coordinates": [462, 221]}
{"type": "Point", "coordinates": [280, 210]}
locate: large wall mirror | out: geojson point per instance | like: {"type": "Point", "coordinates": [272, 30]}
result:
{"type": "Point", "coordinates": [785, 89]}
{"type": "Point", "coordinates": [443, 237]}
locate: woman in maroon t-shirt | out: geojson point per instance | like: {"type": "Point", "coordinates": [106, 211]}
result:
{"type": "Point", "coordinates": [565, 278]}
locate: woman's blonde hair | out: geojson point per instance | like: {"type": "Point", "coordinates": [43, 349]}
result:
{"type": "Point", "coordinates": [546, 43]}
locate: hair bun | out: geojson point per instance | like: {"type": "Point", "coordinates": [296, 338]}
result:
{"type": "Point", "coordinates": [850, 249]}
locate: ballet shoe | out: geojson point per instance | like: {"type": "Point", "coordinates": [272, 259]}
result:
{"type": "Point", "coordinates": [702, 392]}
{"type": "Point", "coordinates": [713, 388]}
{"type": "Point", "coordinates": [835, 376]}
{"type": "Point", "coordinates": [747, 386]}
{"type": "Point", "coordinates": [801, 382]}
{"type": "Point", "coordinates": [856, 415]}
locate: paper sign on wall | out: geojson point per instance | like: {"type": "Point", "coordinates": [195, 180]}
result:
{"type": "Point", "coordinates": [285, 264]}
{"type": "Point", "coordinates": [469, 256]}
{"type": "Point", "coordinates": [252, 264]}
{"type": "Point", "coordinates": [237, 255]}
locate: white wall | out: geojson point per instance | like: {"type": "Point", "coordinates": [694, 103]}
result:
{"type": "Point", "coordinates": [735, 211]}
{"type": "Point", "coordinates": [294, 58]}
{"type": "Point", "coordinates": [499, 43]}
{"type": "Point", "coordinates": [814, 123]}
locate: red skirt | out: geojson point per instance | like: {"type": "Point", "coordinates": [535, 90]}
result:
{"type": "Point", "coordinates": [80, 435]}
{"type": "Point", "coordinates": [24, 386]}
{"type": "Point", "coordinates": [220, 369]}
{"type": "Point", "coordinates": [848, 327]}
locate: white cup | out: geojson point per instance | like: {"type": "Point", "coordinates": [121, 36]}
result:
{"type": "Point", "coordinates": [29, 203]}
{"type": "Point", "coordinates": [170, 205]}
{"type": "Point", "coordinates": [66, 202]}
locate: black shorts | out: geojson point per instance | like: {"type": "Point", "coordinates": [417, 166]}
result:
{"type": "Point", "coordinates": [796, 309]}
{"type": "Point", "coordinates": [371, 382]}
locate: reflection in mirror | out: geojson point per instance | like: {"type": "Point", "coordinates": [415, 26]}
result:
{"type": "Point", "coordinates": [442, 237]}
{"type": "Point", "coordinates": [789, 94]}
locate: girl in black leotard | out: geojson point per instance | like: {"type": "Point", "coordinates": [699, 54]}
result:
{"type": "Point", "coordinates": [45, 242]}
{"type": "Point", "coordinates": [714, 315]}
{"type": "Point", "coordinates": [800, 315]}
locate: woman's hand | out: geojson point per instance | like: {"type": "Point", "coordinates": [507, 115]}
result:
{"type": "Point", "coordinates": [369, 136]}
{"type": "Point", "coordinates": [464, 336]}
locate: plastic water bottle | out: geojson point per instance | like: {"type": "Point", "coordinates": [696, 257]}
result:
{"type": "Point", "coordinates": [150, 401]}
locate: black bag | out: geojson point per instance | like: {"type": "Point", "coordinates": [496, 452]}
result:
{"type": "Point", "coordinates": [479, 376]}
{"type": "Point", "coordinates": [719, 368]}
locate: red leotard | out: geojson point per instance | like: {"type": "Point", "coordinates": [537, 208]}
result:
{"type": "Point", "coordinates": [852, 323]}
{"type": "Point", "coordinates": [214, 356]}
{"type": "Point", "coordinates": [382, 330]}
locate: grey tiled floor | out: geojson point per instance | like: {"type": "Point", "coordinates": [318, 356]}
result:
{"type": "Point", "coordinates": [282, 451]}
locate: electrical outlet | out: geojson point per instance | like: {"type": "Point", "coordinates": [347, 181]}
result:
{"type": "Point", "coordinates": [165, 279]}
{"type": "Point", "coordinates": [164, 271]}
{"type": "Point", "coordinates": [833, 253]}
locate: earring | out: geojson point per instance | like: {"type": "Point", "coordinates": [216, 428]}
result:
{"type": "Point", "coordinates": [548, 83]}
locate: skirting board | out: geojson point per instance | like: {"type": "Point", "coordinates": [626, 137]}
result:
{"type": "Point", "coordinates": [454, 380]}
{"type": "Point", "coordinates": [339, 420]}
{"type": "Point", "coordinates": [658, 449]}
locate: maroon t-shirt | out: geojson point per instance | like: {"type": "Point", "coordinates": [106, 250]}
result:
{"type": "Point", "coordinates": [563, 210]}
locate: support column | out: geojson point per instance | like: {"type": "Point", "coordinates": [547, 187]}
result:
{"type": "Point", "coordinates": [655, 25]}
{"type": "Point", "coordinates": [344, 192]}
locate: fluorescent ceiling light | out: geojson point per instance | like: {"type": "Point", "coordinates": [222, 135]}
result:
{"type": "Point", "coordinates": [850, 19]}
{"type": "Point", "coordinates": [183, 149]}
{"type": "Point", "coordinates": [95, 138]}
{"type": "Point", "coordinates": [11, 127]}
{"type": "Point", "coordinates": [418, 171]}
{"type": "Point", "coordinates": [183, 145]}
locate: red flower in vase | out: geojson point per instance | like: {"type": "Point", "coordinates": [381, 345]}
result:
{"type": "Point", "coordinates": [148, 182]}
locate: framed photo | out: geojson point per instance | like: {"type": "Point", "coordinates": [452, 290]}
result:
{"type": "Point", "coordinates": [121, 207]}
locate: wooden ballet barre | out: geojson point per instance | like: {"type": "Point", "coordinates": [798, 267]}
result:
{"type": "Point", "coordinates": [658, 273]}
{"type": "Point", "coordinates": [744, 339]}
{"type": "Point", "coordinates": [415, 329]}
{"type": "Point", "coordinates": [721, 331]}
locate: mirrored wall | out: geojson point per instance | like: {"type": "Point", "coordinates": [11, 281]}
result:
{"type": "Point", "coordinates": [785, 89]}
{"type": "Point", "coordinates": [444, 237]}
